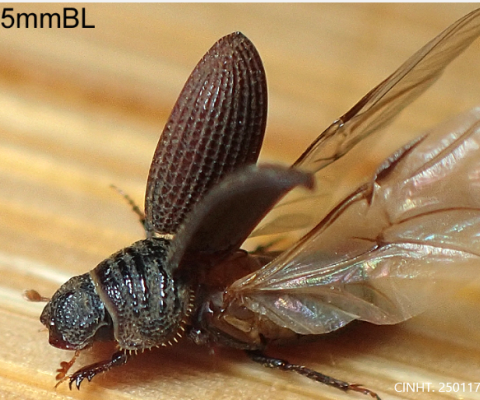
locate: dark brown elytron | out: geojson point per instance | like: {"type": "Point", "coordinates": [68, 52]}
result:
{"type": "Point", "coordinates": [376, 250]}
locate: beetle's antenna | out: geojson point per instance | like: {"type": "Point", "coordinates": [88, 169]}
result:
{"type": "Point", "coordinates": [64, 367]}
{"type": "Point", "coordinates": [33, 296]}
{"type": "Point", "coordinates": [136, 209]}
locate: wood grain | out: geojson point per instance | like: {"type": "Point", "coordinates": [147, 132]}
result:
{"type": "Point", "coordinates": [81, 109]}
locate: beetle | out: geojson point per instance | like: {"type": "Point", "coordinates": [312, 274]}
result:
{"type": "Point", "coordinates": [411, 224]}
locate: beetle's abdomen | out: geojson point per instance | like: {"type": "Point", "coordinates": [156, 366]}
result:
{"type": "Point", "coordinates": [146, 305]}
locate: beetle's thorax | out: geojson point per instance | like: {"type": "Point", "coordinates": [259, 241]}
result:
{"type": "Point", "coordinates": [147, 306]}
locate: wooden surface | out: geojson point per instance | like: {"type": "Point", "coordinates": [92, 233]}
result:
{"type": "Point", "coordinates": [82, 109]}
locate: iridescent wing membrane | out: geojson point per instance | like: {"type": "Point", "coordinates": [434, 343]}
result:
{"type": "Point", "coordinates": [408, 232]}
{"type": "Point", "coordinates": [374, 111]}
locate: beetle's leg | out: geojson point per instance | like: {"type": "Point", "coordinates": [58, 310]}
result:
{"type": "Point", "coordinates": [136, 209]}
{"type": "Point", "coordinates": [283, 365]}
{"type": "Point", "coordinates": [88, 372]}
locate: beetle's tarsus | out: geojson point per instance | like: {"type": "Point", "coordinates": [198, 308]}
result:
{"type": "Point", "coordinates": [271, 362]}
{"type": "Point", "coordinates": [356, 387]}
{"type": "Point", "coordinates": [90, 371]}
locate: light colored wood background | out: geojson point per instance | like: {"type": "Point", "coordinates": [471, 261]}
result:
{"type": "Point", "coordinates": [81, 109]}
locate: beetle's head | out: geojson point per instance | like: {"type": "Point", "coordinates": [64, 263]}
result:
{"type": "Point", "coordinates": [75, 315]}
